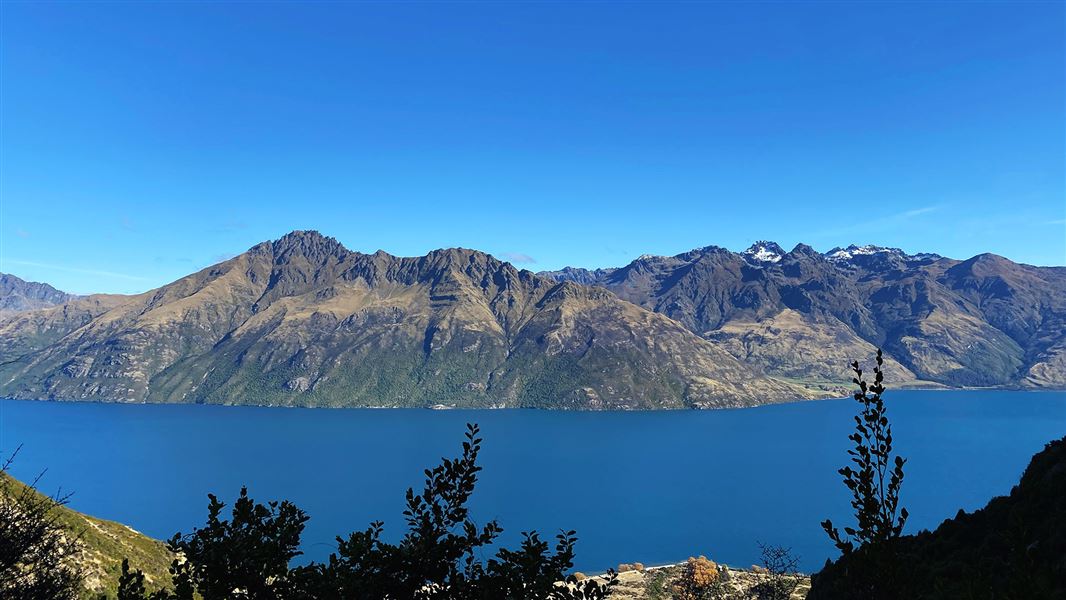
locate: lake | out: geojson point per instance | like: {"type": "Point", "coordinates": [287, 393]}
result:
{"type": "Point", "coordinates": [654, 487]}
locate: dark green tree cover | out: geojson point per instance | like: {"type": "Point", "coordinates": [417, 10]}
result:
{"type": "Point", "coordinates": [248, 557]}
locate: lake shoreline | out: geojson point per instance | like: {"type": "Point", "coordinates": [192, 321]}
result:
{"type": "Point", "coordinates": [444, 408]}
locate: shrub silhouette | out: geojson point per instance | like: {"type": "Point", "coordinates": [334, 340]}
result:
{"type": "Point", "coordinates": [875, 482]}
{"type": "Point", "coordinates": [250, 552]}
{"type": "Point", "coordinates": [875, 500]}
{"type": "Point", "coordinates": [782, 577]}
{"type": "Point", "coordinates": [35, 551]}
{"type": "Point", "coordinates": [131, 585]}
{"type": "Point", "coordinates": [248, 557]}
{"type": "Point", "coordinates": [1014, 548]}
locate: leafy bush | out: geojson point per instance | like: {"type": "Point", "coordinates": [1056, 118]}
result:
{"type": "Point", "coordinates": [698, 579]}
{"type": "Point", "coordinates": [248, 557]}
{"type": "Point", "coordinates": [657, 587]}
{"type": "Point", "coordinates": [875, 484]}
{"type": "Point", "coordinates": [875, 500]}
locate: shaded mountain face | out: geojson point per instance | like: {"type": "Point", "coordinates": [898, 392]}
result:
{"type": "Point", "coordinates": [578, 275]}
{"type": "Point", "coordinates": [18, 295]}
{"type": "Point", "coordinates": [304, 321]}
{"type": "Point", "coordinates": [982, 322]}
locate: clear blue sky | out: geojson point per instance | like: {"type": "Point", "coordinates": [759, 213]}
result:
{"type": "Point", "coordinates": [142, 141]}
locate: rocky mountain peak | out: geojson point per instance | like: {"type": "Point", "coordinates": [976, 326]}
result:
{"type": "Point", "coordinates": [763, 252]}
{"type": "Point", "coordinates": [982, 265]}
{"type": "Point", "coordinates": [804, 250]}
{"type": "Point", "coordinates": [698, 253]}
{"type": "Point", "coordinates": [17, 295]}
{"type": "Point", "coordinates": [312, 245]}
{"type": "Point", "coordinates": [839, 254]}
{"type": "Point", "coordinates": [462, 260]}
{"type": "Point", "coordinates": [868, 252]}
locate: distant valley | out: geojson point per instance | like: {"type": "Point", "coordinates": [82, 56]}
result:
{"type": "Point", "coordinates": [303, 321]}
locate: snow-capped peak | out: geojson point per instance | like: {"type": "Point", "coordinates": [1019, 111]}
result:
{"type": "Point", "coordinates": [842, 254]}
{"type": "Point", "coordinates": [764, 252]}
{"type": "Point", "coordinates": [846, 254]}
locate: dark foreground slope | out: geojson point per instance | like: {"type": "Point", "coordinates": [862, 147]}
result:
{"type": "Point", "coordinates": [1013, 548]}
{"type": "Point", "coordinates": [985, 321]}
{"type": "Point", "coordinates": [303, 321]}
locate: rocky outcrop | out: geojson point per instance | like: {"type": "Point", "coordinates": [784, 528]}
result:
{"type": "Point", "coordinates": [663, 582]}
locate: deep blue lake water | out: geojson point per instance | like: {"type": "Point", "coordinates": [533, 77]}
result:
{"type": "Point", "coordinates": [654, 487]}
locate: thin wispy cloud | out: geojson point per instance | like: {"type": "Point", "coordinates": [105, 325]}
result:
{"type": "Point", "coordinates": [893, 220]}
{"type": "Point", "coordinates": [518, 258]}
{"type": "Point", "coordinates": [22, 233]}
{"type": "Point", "coordinates": [914, 212]}
{"type": "Point", "coordinates": [95, 272]}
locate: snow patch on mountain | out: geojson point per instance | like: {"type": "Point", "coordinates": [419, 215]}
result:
{"type": "Point", "coordinates": [851, 252]}
{"type": "Point", "coordinates": [764, 252]}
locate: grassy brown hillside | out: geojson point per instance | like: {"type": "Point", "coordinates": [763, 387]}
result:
{"type": "Point", "coordinates": [302, 321]}
{"type": "Point", "coordinates": [30, 331]}
{"type": "Point", "coordinates": [102, 545]}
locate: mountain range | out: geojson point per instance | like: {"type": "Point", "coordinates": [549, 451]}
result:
{"type": "Point", "coordinates": [303, 321]}
{"type": "Point", "coordinates": [17, 295]}
{"type": "Point", "coordinates": [982, 322]}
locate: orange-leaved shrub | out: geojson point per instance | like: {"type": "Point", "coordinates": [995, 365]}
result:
{"type": "Point", "coordinates": [698, 576]}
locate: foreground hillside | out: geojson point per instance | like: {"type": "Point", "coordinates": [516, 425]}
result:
{"type": "Point", "coordinates": [981, 322]}
{"type": "Point", "coordinates": [1014, 547]}
{"type": "Point", "coordinates": [302, 321]}
{"type": "Point", "coordinates": [102, 544]}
